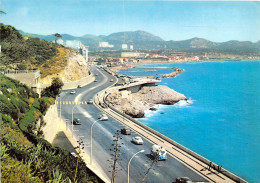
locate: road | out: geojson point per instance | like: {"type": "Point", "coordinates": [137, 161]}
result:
{"type": "Point", "coordinates": [103, 132]}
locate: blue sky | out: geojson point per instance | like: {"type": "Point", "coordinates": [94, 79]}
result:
{"type": "Point", "coordinates": [171, 20]}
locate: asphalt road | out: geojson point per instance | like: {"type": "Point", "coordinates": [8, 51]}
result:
{"type": "Point", "coordinates": [103, 131]}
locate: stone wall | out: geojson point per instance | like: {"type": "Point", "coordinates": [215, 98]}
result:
{"type": "Point", "coordinates": [28, 78]}
{"type": "Point", "coordinates": [53, 123]}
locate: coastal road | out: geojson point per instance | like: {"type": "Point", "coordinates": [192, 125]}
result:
{"type": "Point", "coordinates": [103, 132]}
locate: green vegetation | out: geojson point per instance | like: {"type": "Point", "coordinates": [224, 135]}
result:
{"type": "Point", "coordinates": [54, 89]}
{"type": "Point", "coordinates": [20, 52]}
{"type": "Point", "coordinates": [25, 156]}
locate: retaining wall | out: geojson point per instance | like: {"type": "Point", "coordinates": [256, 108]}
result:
{"type": "Point", "coordinates": [52, 123]}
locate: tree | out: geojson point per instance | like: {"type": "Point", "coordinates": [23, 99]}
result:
{"type": "Point", "coordinates": [57, 36]}
{"type": "Point", "coordinates": [54, 89]}
{"type": "Point", "coordinates": [2, 12]}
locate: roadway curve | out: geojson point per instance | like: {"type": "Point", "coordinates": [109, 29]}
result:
{"type": "Point", "coordinates": [103, 131]}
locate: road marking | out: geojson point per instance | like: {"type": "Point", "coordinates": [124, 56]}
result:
{"type": "Point", "coordinates": [78, 97]}
{"type": "Point", "coordinates": [93, 88]}
{"type": "Point", "coordinates": [87, 114]}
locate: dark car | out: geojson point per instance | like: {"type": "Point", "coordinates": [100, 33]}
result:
{"type": "Point", "coordinates": [126, 131]}
{"type": "Point", "coordinates": [183, 180]}
{"type": "Point", "coordinates": [76, 121]}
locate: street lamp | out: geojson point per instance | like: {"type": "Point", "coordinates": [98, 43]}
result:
{"type": "Point", "coordinates": [128, 167]}
{"type": "Point", "coordinates": [91, 141]}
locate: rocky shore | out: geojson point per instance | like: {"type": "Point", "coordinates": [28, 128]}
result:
{"type": "Point", "coordinates": [172, 74]}
{"type": "Point", "coordinates": [135, 104]}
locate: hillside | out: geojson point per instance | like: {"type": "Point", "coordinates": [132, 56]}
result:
{"type": "Point", "coordinates": [25, 156]}
{"type": "Point", "coordinates": [146, 40]}
{"type": "Point", "coordinates": [53, 60]}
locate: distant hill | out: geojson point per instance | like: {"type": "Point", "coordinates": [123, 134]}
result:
{"type": "Point", "coordinates": [146, 40]}
{"type": "Point", "coordinates": [132, 36]}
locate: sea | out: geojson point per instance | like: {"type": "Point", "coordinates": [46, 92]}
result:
{"type": "Point", "coordinates": [221, 120]}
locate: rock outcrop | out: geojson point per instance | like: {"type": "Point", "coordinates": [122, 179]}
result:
{"type": "Point", "coordinates": [135, 104]}
{"type": "Point", "coordinates": [72, 67]}
{"type": "Point", "coordinates": [173, 74]}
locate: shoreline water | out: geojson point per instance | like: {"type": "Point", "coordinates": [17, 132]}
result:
{"type": "Point", "coordinates": [217, 121]}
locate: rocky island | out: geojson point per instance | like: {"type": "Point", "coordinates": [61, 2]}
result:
{"type": "Point", "coordinates": [135, 104]}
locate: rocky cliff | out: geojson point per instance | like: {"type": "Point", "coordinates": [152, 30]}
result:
{"type": "Point", "coordinates": [68, 66]}
{"type": "Point", "coordinates": [135, 104]}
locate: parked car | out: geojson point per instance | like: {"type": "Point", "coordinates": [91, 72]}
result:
{"type": "Point", "coordinates": [95, 80]}
{"type": "Point", "coordinates": [158, 152]}
{"type": "Point", "coordinates": [72, 92]}
{"type": "Point", "coordinates": [76, 121]}
{"type": "Point", "coordinates": [126, 131]}
{"type": "Point", "coordinates": [90, 101]}
{"type": "Point", "coordinates": [183, 180]}
{"type": "Point", "coordinates": [111, 80]}
{"type": "Point", "coordinates": [138, 140]}
{"type": "Point", "coordinates": [103, 117]}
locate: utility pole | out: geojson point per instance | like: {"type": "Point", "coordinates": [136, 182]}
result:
{"type": "Point", "coordinates": [116, 154]}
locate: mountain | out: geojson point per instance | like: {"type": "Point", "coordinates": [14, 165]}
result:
{"type": "Point", "coordinates": [133, 36]}
{"type": "Point", "coordinates": [145, 40]}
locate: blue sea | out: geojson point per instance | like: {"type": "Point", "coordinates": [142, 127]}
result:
{"type": "Point", "coordinates": [222, 119]}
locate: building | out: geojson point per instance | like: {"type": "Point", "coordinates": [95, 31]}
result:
{"type": "Point", "coordinates": [83, 50]}
{"type": "Point", "coordinates": [131, 47]}
{"type": "Point", "coordinates": [133, 54]}
{"type": "Point", "coordinates": [105, 45]}
{"type": "Point", "coordinates": [124, 46]}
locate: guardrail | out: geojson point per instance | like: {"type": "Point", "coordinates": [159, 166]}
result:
{"type": "Point", "coordinates": [188, 151]}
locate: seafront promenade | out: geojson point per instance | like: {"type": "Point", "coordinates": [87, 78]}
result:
{"type": "Point", "coordinates": [209, 170]}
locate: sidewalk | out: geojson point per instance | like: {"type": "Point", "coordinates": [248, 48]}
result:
{"type": "Point", "coordinates": [65, 140]}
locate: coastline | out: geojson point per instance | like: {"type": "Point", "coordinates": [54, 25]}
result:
{"type": "Point", "coordinates": [148, 62]}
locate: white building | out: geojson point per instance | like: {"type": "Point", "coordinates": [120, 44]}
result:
{"type": "Point", "coordinates": [124, 46]}
{"type": "Point", "coordinates": [105, 45]}
{"type": "Point", "coordinates": [83, 50]}
{"type": "Point", "coordinates": [131, 47]}
{"type": "Point", "coordinates": [133, 54]}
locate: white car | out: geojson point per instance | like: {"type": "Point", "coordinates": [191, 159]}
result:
{"type": "Point", "coordinates": [103, 117]}
{"type": "Point", "coordinates": [138, 140]}
{"type": "Point", "coordinates": [72, 92]}
{"type": "Point", "coordinates": [111, 80]}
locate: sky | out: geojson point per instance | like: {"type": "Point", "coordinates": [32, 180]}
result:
{"type": "Point", "coordinates": [217, 21]}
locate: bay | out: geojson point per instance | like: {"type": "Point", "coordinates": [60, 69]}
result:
{"type": "Point", "coordinates": [222, 119]}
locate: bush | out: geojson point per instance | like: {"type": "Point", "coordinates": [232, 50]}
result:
{"type": "Point", "coordinates": [54, 89]}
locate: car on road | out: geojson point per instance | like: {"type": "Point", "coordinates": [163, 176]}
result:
{"type": "Point", "coordinates": [158, 152]}
{"type": "Point", "coordinates": [76, 121]}
{"type": "Point", "coordinates": [126, 131]}
{"type": "Point", "coordinates": [95, 80]}
{"type": "Point", "coordinates": [72, 92]}
{"type": "Point", "coordinates": [103, 117]}
{"type": "Point", "coordinates": [138, 140]}
{"type": "Point", "coordinates": [111, 80]}
{"type": "Point", "coordinates": [96, 74]}
{"type": "Point", "coordinates": [90, 101]}
{"type": "Point", "coordinates": [183, 180]}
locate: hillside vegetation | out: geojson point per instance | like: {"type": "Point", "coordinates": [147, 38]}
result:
{"type": "Point", "coordinates": [23, 52]}
{"type": "Point", "coordinates": [25, 156]}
